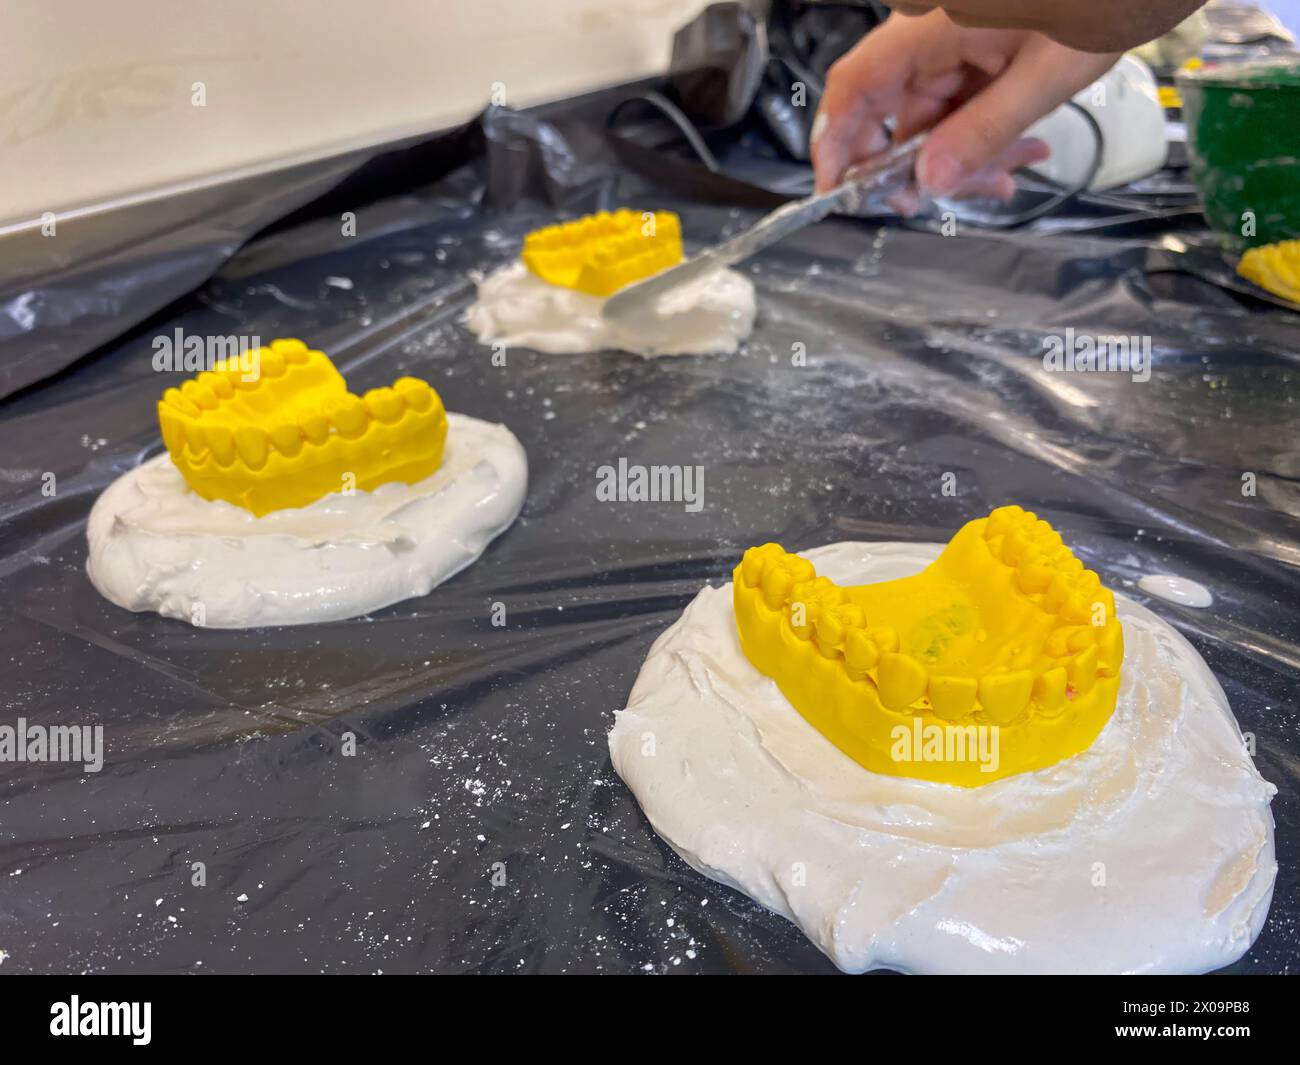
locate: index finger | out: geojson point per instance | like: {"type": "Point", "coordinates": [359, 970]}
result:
{"type": "Point", "coordinates": [863, 88]}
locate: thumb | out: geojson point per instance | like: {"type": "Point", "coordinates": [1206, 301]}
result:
{"type": "Point", "coordinates": [1037, 80]}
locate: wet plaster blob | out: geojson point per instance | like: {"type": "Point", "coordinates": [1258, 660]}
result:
{"type": "Point", "coordinates": [1152, 851]}
{"type": "Point", "coordinates": [157, 545]}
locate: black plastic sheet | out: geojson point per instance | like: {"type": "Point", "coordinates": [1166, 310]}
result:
{"type": "Point", "coordinates": [479, 825]}
{"type": "Point", "coordinates": [68, 289]}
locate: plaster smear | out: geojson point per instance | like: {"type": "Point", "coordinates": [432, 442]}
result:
{"type": "Point", "coordinates": [1180, 590]}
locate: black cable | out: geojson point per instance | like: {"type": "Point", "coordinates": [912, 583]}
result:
{"type": "Point", "coordinates": [678, 118]}
{"type": "Point", "coordinates": [1054, 203]}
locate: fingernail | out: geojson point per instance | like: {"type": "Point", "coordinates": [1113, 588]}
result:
{"type": "Point", "coordinates": [941, 173]}
{"type": "Point", "coordinates": [827, 167]}
{"type": "Point", "coordinates": [1041, 149]}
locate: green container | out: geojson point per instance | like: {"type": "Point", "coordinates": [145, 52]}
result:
{"type": "Point", "coordinates": [1243, 143]}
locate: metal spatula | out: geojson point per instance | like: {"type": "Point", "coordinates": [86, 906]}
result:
{"type": "Point", "coordinates": [888, 174]}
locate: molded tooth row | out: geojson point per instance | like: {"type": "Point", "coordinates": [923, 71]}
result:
{"type": "Point", "coordinates": [775, 572]}
{"type": "Point", "coordinates": [1045, 566]}
{"type": "Point", "coordinates": [211, 386]}
{"type": "Point", "coordinates": [1003, 696]}
{"type": "Point", "coordinates": [616, 249]}
{"type": "Point", "coordinates": [604, 252]}
{"type": "Point", "coordinates": [839, 630]}
{"type": "Point", "coordinates": [613, 271]}
{"type": "Point", "coordinates": [349, 416]}
{"type": "Point", "coordinates": [602, 225]}
{"type": "Point", "coordinates": [817, 609]}
{"type": "Point", "coordinates": [574, 234]}
{"type": "Point", "coordinates": [1089, 649]}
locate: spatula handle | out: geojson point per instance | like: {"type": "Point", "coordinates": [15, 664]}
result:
{"type": "Point", "coordinates": [891, 172]}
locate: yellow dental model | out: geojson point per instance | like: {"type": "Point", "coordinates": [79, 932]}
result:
{"type": "Point", "coordinates": [280, 429]}
{"type": "Point", "coordinates": [604, 252]}
{"type": "Point", "coordinates": [1275, 267]}
{"type": "Point", "coordinates": [1005, 629]}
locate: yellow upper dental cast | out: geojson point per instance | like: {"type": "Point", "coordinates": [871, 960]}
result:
{"type": "Point", "coordinates": [280, 429]}
{"type": "Point", "coordinates": [1275, 267]}
{"type": "Point", "coordinates": [604, 252]}
{"type": "Point", "coordinates": [1006, 629]}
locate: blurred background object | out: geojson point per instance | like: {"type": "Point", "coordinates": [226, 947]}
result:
{"type": "Point", "coordinates": [1243, 142]}
{"type": "Point", "coordinates": [1125, 106]}
{"type": "Point", "coordinates": [1178, 45]}
{"type": "Point", "coordinates": [1238, 22]}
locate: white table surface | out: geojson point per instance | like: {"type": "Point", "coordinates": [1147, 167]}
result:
{"type": "Point", "coordinates": [98, 97]}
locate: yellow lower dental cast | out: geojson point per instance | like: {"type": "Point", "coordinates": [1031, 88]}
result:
{"type": "Point", "coordinates": [279, 428]}
{"type": "Point", "coordinates": [604, 252]}
{"type": "Point", "coordinates": [1005, 631]}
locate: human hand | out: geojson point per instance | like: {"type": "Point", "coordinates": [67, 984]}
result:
{"type": "Point", "coordinates": [978, 88]}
